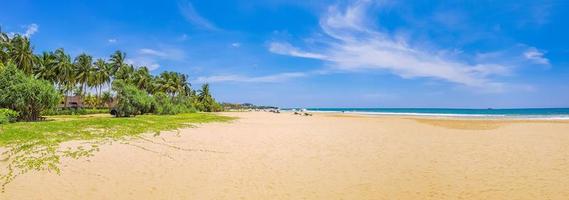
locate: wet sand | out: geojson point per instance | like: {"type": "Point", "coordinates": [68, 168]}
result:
{"type": "Point", "coordinates": [326, 156]}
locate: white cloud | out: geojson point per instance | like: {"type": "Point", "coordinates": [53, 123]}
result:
{"type": "Point", "coordinates": [112, 40]}
{"type": "Point", "coordinates": [163, 53]}
{"type": "Point", "coordinates": [151, 57]}
{"type": "Point", "coordinates": [236, 44]}
{"type": "Point", "coordinates": [287, 49]}
{"type": "Point", "coordinates": [152, 52]}
{"type": "Point", "coordinates": [536, 56]}
{"type": "Point", "coordinates": [30, 30]}
{"type": "Point", "coordinates": [516, 56]}
{"type": "Point", "coordinates": [150, 63]}
{"type": "Point", "coordinates": [274, 78]}
{"type": "Point", "coordinates": [191, 15]}
{"type": "Point", "coordinates": [351, 43]}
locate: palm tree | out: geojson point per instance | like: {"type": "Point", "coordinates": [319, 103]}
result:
{"type": "Point", "coordinates": [167, 83]}
{"type": "Point", "coordinates": [143, 79]}
{"type": "Point", "coordinates": [83, 66]}
{"type": "Point", "coordinates": [186, 87]}
{"type": "Point", "coordinates": [126, 73]}
{"type": "Point", "coordinates": [173, 83]}
{"type": "Point", "coordinates": [64, 73]}
{"type": "Point", "coordinates": [21, 53]}
{"type": "Point", "coordinates": [45, 67]}
{"type": "Point", "coordinates": [204, 94]}
{"type": "Point", "coordinates": [103, 73]}
{"type": "Point", "coordinates": [117, 61]}
{"type": "Point", "coordinates": [205, 100]}
{"type": "Point", "coordinates": [4, 46]}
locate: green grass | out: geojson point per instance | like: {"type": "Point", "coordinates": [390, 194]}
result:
{"type": "Point", "coordinates": [36, 145]}
{"type": "Point", "coordinates": [87, 127]}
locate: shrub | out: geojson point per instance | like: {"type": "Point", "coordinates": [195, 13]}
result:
{"type": "Point", "coordinates": [7, 116]}
{"type": "Point", "coordinates": [131, 100]}
{"type": "Point", "coordinates": [163, 104]}
{"type": "Point", "coordinates": [166, 105]}
{"type": "Point", "coordinates": [25, 94]}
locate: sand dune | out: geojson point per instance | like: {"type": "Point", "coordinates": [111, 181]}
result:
{"type": "Point", "coordinates": [326, 156]}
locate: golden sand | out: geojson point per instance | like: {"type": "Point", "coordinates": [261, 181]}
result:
{"type": "Point", "coordinates": [326, 156]}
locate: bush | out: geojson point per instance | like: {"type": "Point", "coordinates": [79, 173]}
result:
{"type": "Point", "coordinates": [166, 105]}
{"type": "Point", "coordinates": [25, 94]}
{"type": "Point", "coordinates": [7, 116]}
{"type": "Point", "coordinates": [131, 101]}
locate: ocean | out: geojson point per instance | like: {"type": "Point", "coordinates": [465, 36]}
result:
{"type": "Point", "coordinates": [553, 113]}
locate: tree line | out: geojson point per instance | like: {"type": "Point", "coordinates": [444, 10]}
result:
{"type": "Point", "coordinates": [99, 81]}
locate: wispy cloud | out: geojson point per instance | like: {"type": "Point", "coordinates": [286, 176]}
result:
{"type": "Point", "coordinates": [191, 15]}
{"type": "Point", "coordinates": [516, 56]}
{"type": "Point", "coordinates": [151, 57]}
{"type": "Point", "coordinates": [163, 53]}
{"type": "Point", "coordinates": [150, 63]}
{"type": "Point", "coordinates": [31, 29]}
{"type": "Point", "coordinates": [273, 78]}
{"type": "Point", "coordinates": [236, 44]}
{"type": "Point", "coordinates": [536, 56]}
{"type": "Point", "coordinates": [352, 43]}
{"type": "Point", "coordinates": [112, 40]}
{"type": "Point", "coordinates": [287, 49]}
{"type": "Point", "coordinates": [151, 52]}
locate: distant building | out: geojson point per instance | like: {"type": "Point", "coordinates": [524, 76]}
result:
{"type": "Point", "coordinates": [71, 102]}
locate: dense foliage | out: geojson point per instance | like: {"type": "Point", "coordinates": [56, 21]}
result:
{"type": "Point", "coordinates": [87, 77]}
{"type": "Point", "coordinates": [25, 94]}
{"type": "Point", "coordinates": [131, 100]}
{"type": "Point", "coordinates": [7, 116]}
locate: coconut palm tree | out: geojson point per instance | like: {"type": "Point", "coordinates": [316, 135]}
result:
{"type": "Point", "coordinates": [143, 79]}
{"type": "Point", "coordinates": [204, 94]}
{"type": "Point", "coordinates": [64, 72]}
{"type": "Point", "coordinates": [118, 60]}
{"type": "Point", "coordinates": [21, 53]}
{"type": "Point", "coordinates": [125, 73]}
{"type": "Point", "coordinates": [205, 101]}
{"type": "Point", "coordinates": [167, 83]}
{"type": "Point", "coordinates": [4, 45]}
{"type": "Point", "coordinates": [45, 67]}
{"type": "Point", "coordinates": [83, 66]}
{"type": "Point", "coordinates": [103, 75]}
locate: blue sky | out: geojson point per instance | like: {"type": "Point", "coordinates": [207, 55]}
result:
{"type": "Point", "coordinates": [472, 54]}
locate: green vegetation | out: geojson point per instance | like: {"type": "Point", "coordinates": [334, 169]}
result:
{"type": "Point", "coordinates": [84, 76]}
{"type": "Point", "coordinates": [85, 127]}
{"type": "Point", "coordinates": [25, 94]}
{"type": "Point", "coordinates": [131, 100]}
{"type": "Point", "coordinates": [206, 102]}
{"type": "Point", "coordinates": [36, 145]}
{"type": "Point", "coordinates": [7, 116]}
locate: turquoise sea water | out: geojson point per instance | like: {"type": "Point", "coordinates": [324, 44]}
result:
{"type": "Point", "coordinates": [558, 113]}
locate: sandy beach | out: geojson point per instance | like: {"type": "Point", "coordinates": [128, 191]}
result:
{"type": "Point", "coordinates": [327, 156]}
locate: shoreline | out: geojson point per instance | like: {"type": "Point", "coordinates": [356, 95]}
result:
{"type": "Point", "coordinates": [446, 116]}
